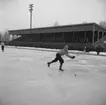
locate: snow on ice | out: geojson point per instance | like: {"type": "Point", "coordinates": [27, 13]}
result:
{"type": "Point", "coordinates": [25, 79]}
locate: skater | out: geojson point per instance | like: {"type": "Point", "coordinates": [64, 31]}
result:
{"type": "Point", "coordinates": [98, 49]}
{"type": "Point", "coordinates": [60, 53]}
{"type": "Point", "coordinates": [2, 46]}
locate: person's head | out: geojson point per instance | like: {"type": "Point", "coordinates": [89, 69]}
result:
{"type": "Point", "coordinates": [66, 47]}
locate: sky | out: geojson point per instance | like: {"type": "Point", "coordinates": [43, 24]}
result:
{"type": "Point", "coordinates": [14, 14]}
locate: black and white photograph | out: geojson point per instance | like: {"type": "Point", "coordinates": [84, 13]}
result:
{"type": "Point", "coordinates": [52, 52]}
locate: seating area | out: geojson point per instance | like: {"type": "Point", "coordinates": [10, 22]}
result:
{"type": "Point", "coordinates": [76, 36]}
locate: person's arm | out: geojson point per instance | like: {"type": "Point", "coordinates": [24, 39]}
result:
{"type": "Point", "coordinates": [72, 57]}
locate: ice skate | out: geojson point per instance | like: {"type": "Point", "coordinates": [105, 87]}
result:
{"type": "Point", "coordinates": [48, 64]}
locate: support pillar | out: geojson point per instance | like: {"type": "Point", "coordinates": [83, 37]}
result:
{"type": "Point", "coordinates": [93, 34]}
{"type": "Point", "coordinates": [93, 38]}
{"type": "Point", "coordinates": [102, 37]}
{"type": "Point", "coordinates": [98, 35]}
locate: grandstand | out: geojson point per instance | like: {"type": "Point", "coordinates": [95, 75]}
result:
{"type": "Point", "coordinates": [76, 36]}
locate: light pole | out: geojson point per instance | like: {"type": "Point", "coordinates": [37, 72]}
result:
{"type": "Point", "coordinates": [30, 10]}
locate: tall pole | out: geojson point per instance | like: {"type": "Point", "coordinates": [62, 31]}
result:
{"type": "Point", "coordinates": [30, 9]}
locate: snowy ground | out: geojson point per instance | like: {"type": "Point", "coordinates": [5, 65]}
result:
{"type": "Point", "coordinates": [25, 79]}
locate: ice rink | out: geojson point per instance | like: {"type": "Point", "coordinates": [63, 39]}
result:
{"type": "Point", "coordinates": [25, 79]}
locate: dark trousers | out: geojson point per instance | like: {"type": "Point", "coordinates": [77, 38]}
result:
{"type": "Point", "coordinates": [58, 58]}
{"type": "Point", "coordinates": [2, 47]}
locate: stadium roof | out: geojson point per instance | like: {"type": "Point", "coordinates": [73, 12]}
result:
{"type": "Point", "coordinates": [54, 29]}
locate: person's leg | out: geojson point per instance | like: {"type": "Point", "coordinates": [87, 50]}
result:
{"type": "Point", "coordinates": [2, 48]}
{"type": "Point", "coordinates": [61, 63]}
{"type": "Point", "coordinates": [55, 60]}
{"type": "Point", "coordinates": [98, 52]}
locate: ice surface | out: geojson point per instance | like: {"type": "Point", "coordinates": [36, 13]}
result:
{"type": "Point", "coordinates": [25, 79]}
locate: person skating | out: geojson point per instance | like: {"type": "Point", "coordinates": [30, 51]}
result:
{"type": "Point", "coordinates": [59, 58]}
{"type": "Point", "coordinates": [2, 46]}
{"type": "Point", "coordinates": [98, 49]}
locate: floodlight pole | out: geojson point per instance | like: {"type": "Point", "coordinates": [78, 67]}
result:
{"type": "Point", "coordinates": [30, 10]}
